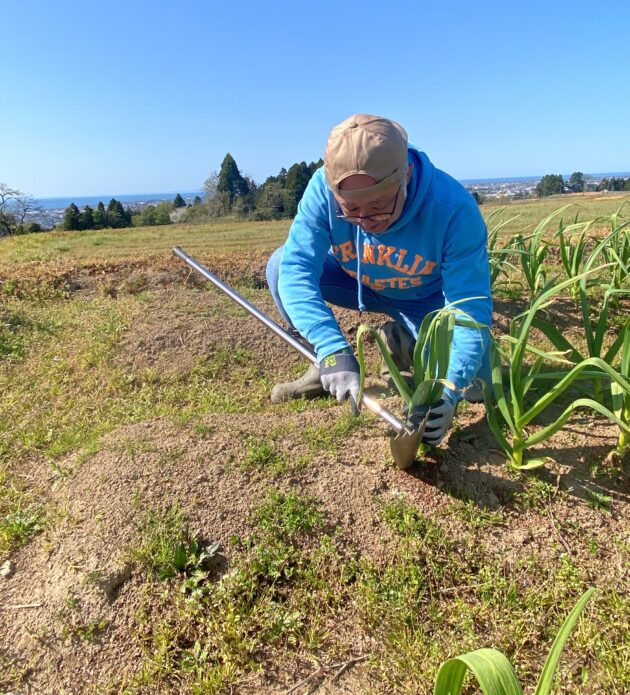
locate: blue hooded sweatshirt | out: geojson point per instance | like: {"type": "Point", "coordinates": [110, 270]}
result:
{"type": "Point", "coordinates": [438, 244]}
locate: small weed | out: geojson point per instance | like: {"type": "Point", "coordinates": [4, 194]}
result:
{"type": "Point", "coordinates": [328, 437]}
{"type": "Point", "coordinates": [263, 455]}
{"type": "Point", "coordinates": [134, 446]}
{"type": "Point", "coordinates": [91, 631]}
{"type": "Point", "coordinates": [286, 515]}
{"type": "Point", "coordinates": [405, 519]}
{"type": "Point", "coordinates": [610, 472]}
{"type": "Point", "coordinates": [599, 500]}
{"type": "Point", "coordinates": [476, 516]}
{"type": "Point", "coordinates": [167, 547]}
{"type": "Point", "coordinates": [203, 430]}
{"type": "Point", "coordinates": [20, 525]}
{"type": "Point", "coordinates": [536, 493]}
{"type": "Point", "coordinates": [71, 601]}
{"type": "Point", "coordinates": [60, 471]}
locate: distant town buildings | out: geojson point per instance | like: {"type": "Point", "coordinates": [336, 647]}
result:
{"type": "Point", "coordinates": [518, 189]}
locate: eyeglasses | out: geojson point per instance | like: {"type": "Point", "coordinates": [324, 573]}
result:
{"type": "Point", "coordinates": [380, 217]}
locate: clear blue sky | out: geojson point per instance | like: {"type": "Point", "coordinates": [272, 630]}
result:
{"type": "Point", "coordinates": [138, 96]}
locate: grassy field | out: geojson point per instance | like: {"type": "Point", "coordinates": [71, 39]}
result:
{"type": "Point", "coordinates": [238, 235]}
{"type": "Point", "coordinates": [166, 529]}
{"type": "Point", "coordinates": [228, 237]}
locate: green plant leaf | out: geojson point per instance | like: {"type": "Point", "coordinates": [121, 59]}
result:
{"type": "Point", "coordinates": [546, 432]}
{"type": "Point", "coordinates": [532, 464]}
{"type": "Point", "coordinates": [557, 389]}
{"type": "Point", "coordinates": [399, 382]}
{"type": "Point", "coordinates": [557, 339]}
{"type": "Point", "coordinates": [491, 668]}
{"type": "Point", "coordinates": [497, 384]}
{"type": "Point", "coordinates": [546, 677]}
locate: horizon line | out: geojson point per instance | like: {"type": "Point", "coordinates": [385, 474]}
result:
{"type": "Point", "coordinates": [517, 177]}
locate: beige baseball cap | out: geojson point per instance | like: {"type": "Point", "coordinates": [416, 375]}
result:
{"type": "Point", "coordinates": [365, 144]}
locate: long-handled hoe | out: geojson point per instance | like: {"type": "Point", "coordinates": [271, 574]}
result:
{"type": "Point", "coordinates": [405, 440]}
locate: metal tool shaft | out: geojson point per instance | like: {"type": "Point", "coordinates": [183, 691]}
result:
{"type": "Point", "coordinates": [369, 403]}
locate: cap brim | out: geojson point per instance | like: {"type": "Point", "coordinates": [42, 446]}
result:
{"type": "Point", "coordinates": [352, 194]}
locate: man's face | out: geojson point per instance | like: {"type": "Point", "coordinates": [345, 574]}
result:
{"type": "Point", "coordinates": [375, 212]}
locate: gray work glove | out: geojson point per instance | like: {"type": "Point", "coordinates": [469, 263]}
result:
{"type": "Point", "coordinates": [439, 420]}
{"type": "Point", "coordinates": [339, 374]}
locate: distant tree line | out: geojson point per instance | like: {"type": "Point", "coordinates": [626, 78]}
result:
{"type": "Point", "coordinates": [553, 184]}
{"type": "Point", "coordinates": [231, 193]}
{"type": "Point", "coordinates": [227, 193]}
{"type": "Point", "coordinates": [614, 184]}
{"type": "Point", "coordinates": [115, 216]}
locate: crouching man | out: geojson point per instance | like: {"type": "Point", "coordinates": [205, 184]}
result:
{"type": "Point", "coordinates": [380, 229]}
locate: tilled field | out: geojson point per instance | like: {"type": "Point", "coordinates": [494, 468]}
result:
{"type": "Point", "coordinates": [136, 424]}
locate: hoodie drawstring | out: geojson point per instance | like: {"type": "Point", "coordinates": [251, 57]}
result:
{"type": "Point", "coordinates": [359, 246]}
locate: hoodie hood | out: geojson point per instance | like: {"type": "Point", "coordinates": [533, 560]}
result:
{"type": "Point", "coordinates": [417, 189]}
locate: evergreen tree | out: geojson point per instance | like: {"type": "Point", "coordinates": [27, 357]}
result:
{"type": "Point", "coordinates": [197, 201]}
{"type": "Point", "coordinates": [99, 217]}
{"type": "Point", "coordinates": [314, 166]}
{"type": "Point", "coordinates": [297, 179]}
{"type": "Point", "coordinates": [116, 215]}
{"type": "Point", "coordinates": [270, 200]}
{"type": "Point", "coordinates": [72, 217]}
{"type": "Point", "coordinates": [230, 180]}
{"type": "Point", "coordinates": [87, 218]}
{"type": "Point", "coordinates": [179, 202]}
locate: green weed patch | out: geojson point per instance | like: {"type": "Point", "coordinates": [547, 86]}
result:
{"type": "Point", "coordinates": [291, 580]}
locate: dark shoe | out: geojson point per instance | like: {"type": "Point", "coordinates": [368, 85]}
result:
{"type": "Point", "coordinates": [307, 386]}
{"type": "Point", "coordinates": [400, 344]}
{"type": "Point", "coordinates": [474, 392]}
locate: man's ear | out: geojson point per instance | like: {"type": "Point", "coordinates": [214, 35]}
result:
{"type": "Point", "coordinates": [409, 170]}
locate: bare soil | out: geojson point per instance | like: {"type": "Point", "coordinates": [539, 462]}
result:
{"type": "Point", "coordinates": [79, 571]}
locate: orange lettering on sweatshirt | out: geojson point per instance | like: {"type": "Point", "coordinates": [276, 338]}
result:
{"type": "Point", "coordinates": [427, 268]}
{"type": "Point", "coordinates": [416, 262]}
{"type": "Point", "coordinates": [368, 253]}
{"type": "Point", "coordinates": [399, 263]}
{"type": "Point", "coordinates": [384, 254]}
{"type": "Point", "coordinates": [347, 251]}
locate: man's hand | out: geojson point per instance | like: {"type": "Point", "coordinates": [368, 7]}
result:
{"type": "Point", "coordinates": [439, 420]}
{"type": "Point", "coordinates": [339, 374]}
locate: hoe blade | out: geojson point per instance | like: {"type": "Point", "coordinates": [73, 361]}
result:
{"type": "Point", "coordinates": [404, 446]}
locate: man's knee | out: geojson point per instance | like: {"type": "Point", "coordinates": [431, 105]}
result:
{"type": "Point", "coordinates": [272, 270]}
